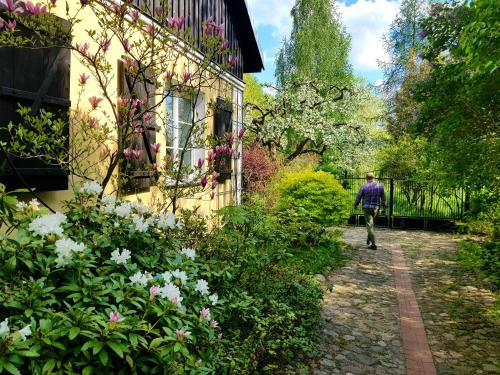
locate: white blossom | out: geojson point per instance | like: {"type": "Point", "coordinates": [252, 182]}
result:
{"type": "Point", "coordinates": [4, 328]}
{"type": "Point", "coordinates": [120, 258]}
{"type": "Point", "coordinates": [34, 204]}
{"type": "Point", "coordinates": [166, 221]}
{"type": "Point", "coordinates": [214, 298]}
{"type": "Point", "coordinates": [25, 332]}
{"type": "Point", "coordinates": [123, 210]}
{"type": "Point", "coordinates": [141, 278]}
{"type": "Point", "coordinates": [21, 206]}
{"type": "Point", "coordinates": [48, 224]}
{"type": "Point", "coordinates": [140, 208]}
{"type": "Point", "coordinates": [139, 224]}
{"type": "Point", "coordinates": [202, 286]}
{"type": "Point", "coordinates": [171, 292]}
{"type": "Point", "coordinates": [91, 188]}
{"type": "Point", "coordinates": [65, 249]}
{"type": "Point", "coordinates": [189, 253]}
{"type": "Point", "coordinates": [108, 204]}
{"type": "Point", "coordinates": [167, 276]}
{"type": "Point", "coordinates": [181, 275]}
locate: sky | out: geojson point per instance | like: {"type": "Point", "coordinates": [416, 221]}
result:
{"type": "Point", "coordinates": [365, 20]}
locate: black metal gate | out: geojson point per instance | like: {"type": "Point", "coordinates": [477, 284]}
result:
{"type": "Point", "coordinates": [411, 204]}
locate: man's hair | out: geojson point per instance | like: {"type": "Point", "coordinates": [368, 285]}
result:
{"type": "Point", "coordinates": [370, 176]}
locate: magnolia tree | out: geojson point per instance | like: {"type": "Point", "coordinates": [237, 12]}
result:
{"type": "Point", "coordinates": [308, 118]}
{"type": "Point", "coordinates": [111, 125]}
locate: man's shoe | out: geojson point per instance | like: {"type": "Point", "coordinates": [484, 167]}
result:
{"type": "Point", "coordinates": [373, 246]}
{"type": "Point", "coordinates": [367, 242]}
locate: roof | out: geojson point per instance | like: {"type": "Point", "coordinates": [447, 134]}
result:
{"type": "Point", "coordinates": [252, 56]}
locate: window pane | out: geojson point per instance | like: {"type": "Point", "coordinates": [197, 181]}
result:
{"type": "Point", "coordinates": [170, 121]}
{"type": "Point", "coordinates": [187, 157]}
{"type": "Point", "coordinates": [185, 110]}
{"type": "Point", "coordinates": [183, 135]}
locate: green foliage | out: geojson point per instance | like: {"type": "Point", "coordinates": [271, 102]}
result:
{"type": "Point", "coordinates": [314, 196]}
{"type": "Point", "coordinates": [483, 258]}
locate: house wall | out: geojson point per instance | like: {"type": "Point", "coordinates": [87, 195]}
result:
{"type": "Point", "coordinates": [228, 87]}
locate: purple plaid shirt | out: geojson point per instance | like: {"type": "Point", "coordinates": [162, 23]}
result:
{"type": "Point", "coordinates": [372, 193]}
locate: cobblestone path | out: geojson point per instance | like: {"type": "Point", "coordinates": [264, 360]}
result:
{"type": "Point", "coordinates": [361, 328]}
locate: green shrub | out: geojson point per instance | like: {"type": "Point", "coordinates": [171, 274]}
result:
{"type": "Point", "coordinates": [318, 196]}
{"type": "Point", "coordinates": [483, 258]}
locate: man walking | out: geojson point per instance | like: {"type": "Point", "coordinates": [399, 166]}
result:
{"type": "Point", "coordinates": [373, 196]}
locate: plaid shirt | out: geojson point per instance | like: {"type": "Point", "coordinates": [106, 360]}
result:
{"type": "Point", "coordinates": [372, 193]}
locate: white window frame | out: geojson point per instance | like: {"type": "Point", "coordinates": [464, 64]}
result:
{"type": "Point", "coordinates": [172, 119]}
{"type": "Point", "coordinates": [237, 125]}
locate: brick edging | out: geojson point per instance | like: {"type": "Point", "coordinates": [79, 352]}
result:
{"type": "Point", "coordinates": [418, 356]}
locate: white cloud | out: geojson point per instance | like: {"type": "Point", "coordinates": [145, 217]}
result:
{"type": "Point", "coordinates": [367, 21]}
{"type": "Point", "coordinates": [275, 13]}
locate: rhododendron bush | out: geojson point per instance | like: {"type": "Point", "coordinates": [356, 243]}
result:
{"type": "Point", "coordinates": [106, 285]}
{"type": "Point", "coordinates": [113, 286]}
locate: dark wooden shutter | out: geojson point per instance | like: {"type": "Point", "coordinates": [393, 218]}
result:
{"type": "Point", "coordinates": [138, 173]}
{"type": "Point", "coordinates": [40, 79]}
{"type": "Point", "coordinates": [223, 123]}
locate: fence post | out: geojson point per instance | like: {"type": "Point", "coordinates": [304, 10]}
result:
{"type": "Point", "coordinates": [391, 203]}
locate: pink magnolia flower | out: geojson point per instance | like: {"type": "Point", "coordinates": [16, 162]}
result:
{"type": "Point", "coordinates": [159, 10]}
{"type": "Point", "coordinates": [214, 184]}
{"type": "Point", "coordinates": [83, 78]}
{"type": "Point", "coordinates": [127, 152]}
{"type": "Point", "coordinates": [232, 60]}
{"type": "Point", "coordinates": [115, 317]}
{"type": "Point", "coordinates": [203, 181]}
{"type": "Point", "coordinates": [155, 147]}
{"type": "Point", "coordinates": [10, 25]}
{"type": "Point", "coordinates": [84, 2]}
{"type": "Point", "coordinates": [13, 6]}
{"type": "Point", "coordinates": [93, 122]}
{"type": "Point", "coordinates": [147, 117]}
{"type": "Point", "coordinates": [201, 162]}
{"type": "Point", "coordinates": [211, 157]}
{"type": "Point", "coordinates": [180, 23]}
{"type": "Point", "coordinates": [215, 175]}
{"type": "Point", "coordinates": [225, 45]}
{"type": "Point", "coordinates": [214, 323]}
{"type": "Point", "coordinates": [137, 154]}
{"type": "Point", "coordinates": [105, 45]}
{"type": "Point", "coordinates": [241, 133]}
{"type": "Point", "coordinates": [122, 102]}
{"type": "Point", "coordinates": [205, 313]}
{"type": "Point", "coordinates": [169, 75]}
{"type": "Point", "coordinates": [186, 76]}
{"type": "Point", "coordinates": [83, 48]}
{"type": "Point", "coordinates": [153, 291]}
{"type": "Point", "coordinates": [219, 30]}
{"type": "Point", "coordinates": [179, 89]}
{"type": "Point", "coordinates": [94, 101]}
{"type": "Point", "coordinates": [35, 9]}
{"type": "Point", "coordinates": [138, 128]}
{"type": "Point", "coordinates": [135, 15]}
{"type": "Point", "coordinates": [229, 139]}
{"type": "Point", "coordinates": [150, 29]}
{"type": "Point", "coordinates": [212, 195]}
{"type": "Point", "coordinates": [53, 2]}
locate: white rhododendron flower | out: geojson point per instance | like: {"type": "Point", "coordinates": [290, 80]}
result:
{"type": "Point", "coordinates": [167, 276]}
{"type": "Point", "coordinates": [171, 292]}
{"type": "Point", "coordinates": [141, 208]}
{"type": "Point", "coordinates": [108, 204]}
{"type": "Point", "coordinates": [214, 298]}
{"type": "Point", "coordinates": [123, 210]}
{"type": "Point", "coordinates": [139, 224]}
{"type": "Point", "coordinates": [120, 258]}
{"type": "Point", "coordinates": [141, 278]}
{"type": "Point", "coordinates": [48, 224]}
{"type": "Point", "coordinates": [21, 206]}
{"type": "Point", "coordinates": [181, 275]}
{"type": "Point", "coordinates": [189, 253]}
{"type": "Point", "coordinates": [65, 249]}
{"type": "Point", "coordinates": [25, 332]}
{"type": "Point", "coordinates": [166, 221]}
{"type": "Point", "coordinates": [202, 286]}
{"type": "Point", "coordinates": [4, 328]}
{"type": "Point", "coordinates": [91, 188]}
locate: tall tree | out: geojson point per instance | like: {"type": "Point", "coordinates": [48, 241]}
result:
{"type": "Point", "coordinates": [403, 39]}
{"type": "Point", "coordinates": [318, 47]}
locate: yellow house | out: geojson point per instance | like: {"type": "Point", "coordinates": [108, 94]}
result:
{"type": "Point", "coordinates": [60, 79]}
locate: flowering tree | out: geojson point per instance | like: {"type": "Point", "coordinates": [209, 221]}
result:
{"type": "Point", "coordinates": [113, 125]}
{"type": "Point", "coordinates": [308, 118]}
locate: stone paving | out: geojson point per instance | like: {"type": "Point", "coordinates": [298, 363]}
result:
{"type": "Point", "coordinates": [360, 317]}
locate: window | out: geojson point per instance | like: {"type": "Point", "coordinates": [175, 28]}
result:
{"type": "Point", "coordinates": [180, 138]}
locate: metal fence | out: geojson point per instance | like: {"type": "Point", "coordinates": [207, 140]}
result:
{"type": "Point", "coordinates": [412, 203]}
